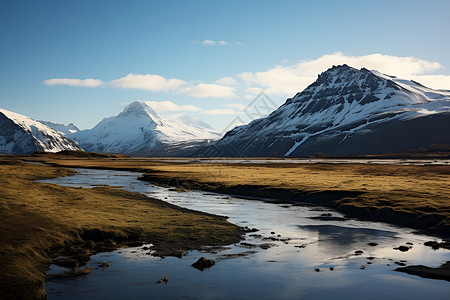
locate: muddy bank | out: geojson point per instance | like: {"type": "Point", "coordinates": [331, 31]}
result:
{"type": "Point", "coordinates": [342, 201]}
{"type": "Point", "coordinates": [43, 223]}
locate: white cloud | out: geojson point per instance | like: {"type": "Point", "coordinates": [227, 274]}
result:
{"type": "Point", "coordinates": [204, 90]}
{"type": "Point", "coordinates": [433, 81]}
{"type": "Point", "coordinates": [219, 43]}
{"type": "Point", "coordinates": [226, 81]}
{"type": "Point", "coordinates": [149, 82]}
{"type": "Point", "coordinates": [251, 93]}
{"type": "Point", "coordinates": [74, 82]}
{"type": "Point", "coordinates": [292, 79]}
{"type": "Point", "coordinates": [170, 106]}
{"type": "Point", "coordinates": [222, 111]}
{"type": "Point", "coordinates": [283, 80]}
{"type": "Point", "coordinates": [208, 42]}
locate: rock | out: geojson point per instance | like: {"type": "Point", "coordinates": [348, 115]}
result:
{"type": "Point", "coordinates": [402, 248]}
{"type": "Point", "coordinates": [331, 269]}
{"type": "Point", "coordinates": [247, 229]}
{"type": "Point", "coordinates": [372, 244]}
{"type": "Point", "coordinates": [359, 252]}
{"type": "Point", "coordinates": [258, 236]}
{"type": "Point", "coordinates": [317, 270]}
{"type": "Point", "coordinates": [442, 272]}
{"type": "Point", "coordinates": [104, 264]}
{"type": "Point", "coordinates": [436, 245]}
{"type": "Point", "coordinates": [326, 215]}
{"type": "Point", "coordinates": [203, 263]}
{"type": "Point", "coordinates": [165, 279]}
{"type": "Point", "coordinates": [400, 263]}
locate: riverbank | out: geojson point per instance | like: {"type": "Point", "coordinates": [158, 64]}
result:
{"type": "Point", "coordinates": [417, 196]}
{"type": "Point", "coordinates": [40, 222]}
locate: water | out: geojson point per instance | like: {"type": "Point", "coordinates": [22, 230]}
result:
{"type": "Point", "coordinates": [301, 243]}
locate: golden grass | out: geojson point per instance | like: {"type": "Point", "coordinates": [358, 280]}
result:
{"type": "Point", "coordinates": [417, 196]}
{"type": "Point", "coordinates": [39, 221]}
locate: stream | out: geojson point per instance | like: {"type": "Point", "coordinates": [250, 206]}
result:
{"type": "Point", "coordinates": [309, 252]}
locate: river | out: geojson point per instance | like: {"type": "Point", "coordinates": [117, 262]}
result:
{"type": "Point", "coordinates": [310, 256]}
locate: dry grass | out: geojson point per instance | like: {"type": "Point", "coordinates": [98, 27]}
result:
{"type": "Point", "coordinates": [417, 196]}
{"type": "Point", "coordinates": [39, 221]}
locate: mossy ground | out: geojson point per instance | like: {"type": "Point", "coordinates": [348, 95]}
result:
{"type": "Point", "coordinates": [40, 221]}
{"type": "Point", "coordinates": [413, 195]}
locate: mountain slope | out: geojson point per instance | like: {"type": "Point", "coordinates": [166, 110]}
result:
{"type": "Point", "coordinates": [22, 135]}
{"type": "Point", "coordinates": [137, 128]}
{"type": "Point", "coordinates": [347, 111]}
{"type": "Point", "coordinates": [66, 129]}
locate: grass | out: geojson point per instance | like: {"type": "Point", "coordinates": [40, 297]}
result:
{"type": "Point", "coordinates": [416, 196]}
{"type": "Point", "coordinates": [40, 221]}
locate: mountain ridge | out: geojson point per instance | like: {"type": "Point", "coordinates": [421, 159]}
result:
{"type": "Point", "coordinates": [139, 127]}
{"type": "Point", "coordinates": [22, 135]}
{"type": "Point", "coordinates": [342, 106]}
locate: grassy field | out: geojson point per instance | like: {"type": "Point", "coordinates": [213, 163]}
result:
{"type": "Point", "coordinates": [416, 196]}
{"type": "Point", "coordinates": [41, 221]}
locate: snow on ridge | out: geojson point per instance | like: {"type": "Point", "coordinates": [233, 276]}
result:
{"type": "Point", "coordinates": [343, 98]}
{"type": "Point", "coordinates": [44, 137]}
{"type": "Point", "coordinates": [137, 127]}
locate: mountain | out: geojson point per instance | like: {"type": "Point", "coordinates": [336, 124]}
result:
{"type": "Point", "coordinates": [66, 129]}
{"type": "Point", "coordinates": [139, 130]}
{"type": "Point", "coordinates": [22, 135]}
{"type": "Point", "coordinates": [192, 121]}
{"type": "Point", "coordinates": [347, 112]}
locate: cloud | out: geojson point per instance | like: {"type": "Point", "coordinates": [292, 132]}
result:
{"type": "Point", "coordinates": [208, 42]}
{"type": "Point", "coordinates": [219, 43]}
{"type": "Point", "coordinates": [292, 79]}
{"type": "Point", "coordinates": [204, 90]}
{"type": "Point", "coordinates": [149, 82]}
{"type": "Point", "coordinates": [170, 106]}
{"type": "Point", "coordinates": [157, 83]}
{"type": "Point", "coordinates": [433, 81]}
{"type": "Point", "coordinates": [285, 80]}
{"type": "Point", "coordinates": [222, 111]}
{"type": "Point", "coordinates": [74, 82]}
{"type": "Point", "coordinates": [226, 81]}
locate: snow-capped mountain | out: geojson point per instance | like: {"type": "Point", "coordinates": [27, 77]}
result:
{"type": "Point", "coordinates": [139, 128]}
{"type": "Point", "coordinates": [66, 129]}
{"type": "Point", "coordinates": [344, 112]}
{"type": "Point", "coordinates": [22, 135]}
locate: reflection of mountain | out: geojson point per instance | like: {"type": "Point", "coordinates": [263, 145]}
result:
{"type": "Point", "coordinates": [346, 238]}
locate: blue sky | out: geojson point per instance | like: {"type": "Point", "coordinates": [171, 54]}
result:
{"type": "Point", "coordinates": [209, 59]}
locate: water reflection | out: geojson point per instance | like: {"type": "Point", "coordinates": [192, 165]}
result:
{"type": "Point", "coordinates": [300, 244]}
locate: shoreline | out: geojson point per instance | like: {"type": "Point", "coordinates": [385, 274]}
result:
{"type": "Point", "coordinates": [45, 224]}
{"type": "Point", "coordinates": [320, 198]}
{"type": "Point", "coordinates": [415, 196]}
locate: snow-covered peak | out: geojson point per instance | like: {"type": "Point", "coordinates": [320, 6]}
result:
{"type": "Point", "coordinates": [21, 134]}
{"type": "Point", "coordinates": [139, 108]}
{"type": "Point", "coordinates": [66, 129]}
{"type": "Point", "coordinates": [341, 102]}
{"type": "Point", "coordinates": [193, 121]}
{"type": "Point", "coordinates": [139, 127]}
